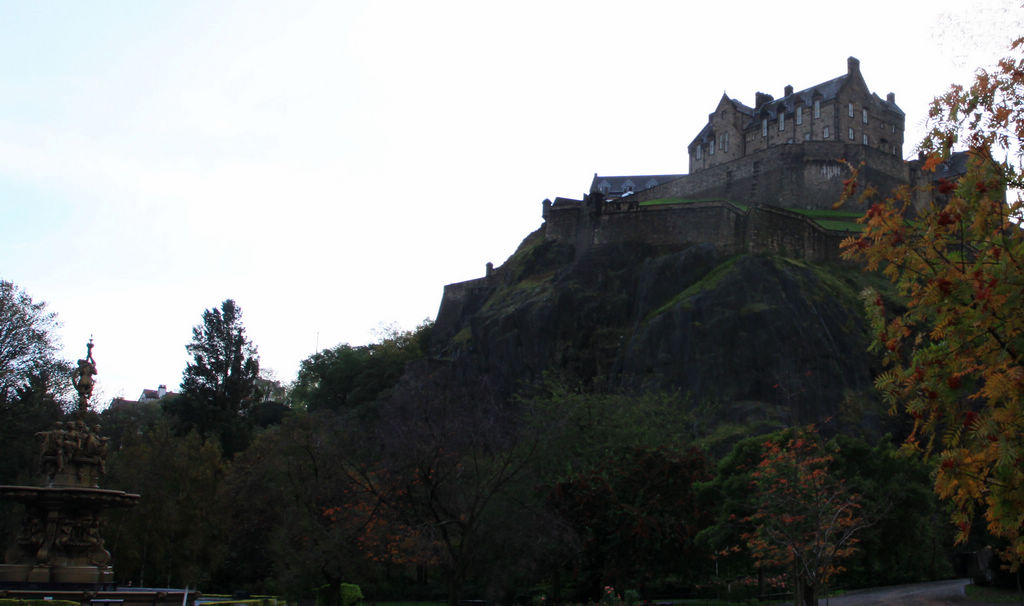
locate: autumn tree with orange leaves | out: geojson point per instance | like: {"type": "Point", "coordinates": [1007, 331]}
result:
{"type": "Point", "coordinates": [806, 519]}
{"type": "Point", "coordinates": [954, 344]}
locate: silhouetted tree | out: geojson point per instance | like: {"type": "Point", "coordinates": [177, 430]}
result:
{"type": "Point", "coordinates": [28, 346]}
{"type": "Point", "coordinates": [349, 376]}
{"type": "Point", "coordinates": [173, 536]}
{"type": "Point", "coordinates": [219, 386]}
{"type": "Point", "coordinates": [634, 516]}
{"type": "Point", "coordinates": [450, 457]}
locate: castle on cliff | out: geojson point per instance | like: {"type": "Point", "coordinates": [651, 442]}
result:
{"type": "Point", "coordinates": [759, 176]}
{"type": "Point", "coordinates": [761, 180]}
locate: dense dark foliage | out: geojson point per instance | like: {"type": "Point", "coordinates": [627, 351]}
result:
{"type": "Point", "coordinates": [349, 377]}
{"type": "Point", "coordinates": [400, 466]}
{"type": "Point", "coordinates": [28, 345]}
{"type": "Point", "coordinates": [219, 385]}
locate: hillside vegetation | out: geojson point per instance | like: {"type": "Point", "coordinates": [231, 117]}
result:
{"type": "Point", "coordinates": [760, 340]}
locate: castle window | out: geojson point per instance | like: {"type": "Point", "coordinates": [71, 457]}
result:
{"type": "Point", "coordinates": [824, 133]}
{"type": "Point", "coordinates": [724, 144]}
{"type": "Point", "coordinates": [697, 152]}
{"type": "Point", "coordinates": [782, 121]}
{"type": "Point", "coordinates": [849, 109]}
{"type": "Point", "coordinates": [807, 136]}
{"type": "Point", "coordinates": [764, 127]}
{"type": "Point", "coordinates": [864, 115]}
{"type": "Point", "coordinates": [711, 148]}
{"type": "Point", "coordinates": [800, 115]}
{"type": "Point", "coordinates": [865, 139]}
{"type": "Point", "coordinates": [817, 109]}
{"type": "Point", "coordinates": [851, 134]}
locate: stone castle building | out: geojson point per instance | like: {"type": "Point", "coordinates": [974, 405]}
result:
{"type": "Point", "coordinates": [842, 110]}
{"type": "Point", "coordinates": [757, 177]}
{"type": "Point", "coordinates": [784, 152]}
{"type": "Point", "coordinates": [755, 172]}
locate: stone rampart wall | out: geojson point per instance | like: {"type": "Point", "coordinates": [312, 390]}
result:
{"type": "Point", "coordinates": [731, 229]}
{"type": "Point", "coordinates": [783, 232]}
{"type": "Point", "coordinates": [460, 299]}
{"type": "Point", "coordinates": [717, 223]}
{"type": "Point", "coordinates": [803, 175]}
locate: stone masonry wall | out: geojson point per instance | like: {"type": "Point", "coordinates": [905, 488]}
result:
{"type": "Point", "coordinates": [779, 231]}
{"type": "Point", "coordinates": [588, 223]}
{"type": "Point", "coordinates": [717, 223]}
{"type": "Point", "coordinates": [808, 175]}
{"type": "Point", "coordinates": [729, 228]}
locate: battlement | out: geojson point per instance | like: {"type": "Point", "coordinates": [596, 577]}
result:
{"type": "Point", "coordinates": [730, 227]}
{"type": "Point", "coordinates": [756, 173]}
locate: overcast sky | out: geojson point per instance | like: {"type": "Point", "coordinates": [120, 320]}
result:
{"type": "Point", "coordinates": [332, 165]}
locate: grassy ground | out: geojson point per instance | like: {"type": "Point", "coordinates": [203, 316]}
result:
{"type": "Point", "coordinates": [993, 595]}
{"type": "Point", "coordinates": [839, 220]}
{"type": "Point", "coordinates": [663, 201]}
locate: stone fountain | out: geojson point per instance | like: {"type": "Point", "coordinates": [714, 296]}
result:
{"type": "Point", "coordinates": [60, 545]}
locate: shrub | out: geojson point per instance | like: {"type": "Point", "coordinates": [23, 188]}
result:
{"type": "Point", "coordinates": [350, 595]}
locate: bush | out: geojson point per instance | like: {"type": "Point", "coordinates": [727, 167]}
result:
{"type": "Point", "coordinates": [15, 602]}
{"type": "Point", "coordinates": [350, 595]}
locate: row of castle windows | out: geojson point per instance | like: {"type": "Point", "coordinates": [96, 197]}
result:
{"type": "Point", "coordinates": [799, 116]}
{"type": "Point", "coordinates": [723, 145]}
{"type": "Point", "coordinates": [825, 134]}
{"type": "Point", "coordinates": [817, 114]}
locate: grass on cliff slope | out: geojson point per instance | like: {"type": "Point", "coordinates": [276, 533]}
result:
{"type": "Point", "coordinates": [708, 282]}
{"type": "Point", "coordinates": [992, 595]}
{"type": "Point", "coordinates": [666, 201]}
{"type": "Point", "coordinates": [836, 220]}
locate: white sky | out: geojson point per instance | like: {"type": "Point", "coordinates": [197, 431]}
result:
{"type": "Point", "coordinates": [332, 165]}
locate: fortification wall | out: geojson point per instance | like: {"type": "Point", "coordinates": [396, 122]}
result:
{"type": "Point", "coordinates": [732, 230]}
{"type": "Point", "coordinates": [561, 220]}
{"type": "Point", "coordinates": [461, 299]}
{"type": "Point", "coordinates": [803, 175]}
{"type": "Point", "coordinates": [778, 231]}
{"type": "Point", "coordinates": [718, 223]}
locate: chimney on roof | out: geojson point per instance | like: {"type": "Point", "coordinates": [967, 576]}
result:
{"type": "Point", "coordinates": [762, 98]}
{"type": "Point", "coordinates": [891, 98]}
{"type": "Point", "coordinates": [852, 65]}
{"type": "Point", "coordinates": [788, 90]}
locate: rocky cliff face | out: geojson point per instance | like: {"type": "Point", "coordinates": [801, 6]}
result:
{"type": "Point", "coordinates": [747, 336]}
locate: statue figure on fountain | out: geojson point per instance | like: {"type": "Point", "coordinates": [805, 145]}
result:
{"type": "Point", "coordinates": [74, 452]}
{"type": "Point", "coordinates": [82, 379]}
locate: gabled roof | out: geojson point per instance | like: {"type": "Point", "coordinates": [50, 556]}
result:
{"type": "Point", "coordinates": [154, 394]}
{"type": "Point", "coordinates": [703, 135]}
{"type": "Point", "coordinates": [618, 185]}
{"type": "Point", "coordinates": [954, 167]}
{"type": "Point", "coordinates": [826, 91]}
{"type": "Point", "coordinates": [880, 102]}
